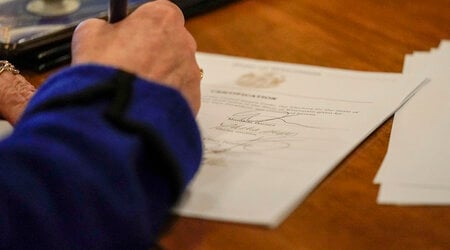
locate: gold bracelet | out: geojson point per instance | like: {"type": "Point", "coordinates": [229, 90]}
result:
{"type": "Point", "coordinates": [7, 66]}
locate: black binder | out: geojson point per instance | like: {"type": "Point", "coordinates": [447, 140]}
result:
{"type": "Point", "coordinates": [40, 41]}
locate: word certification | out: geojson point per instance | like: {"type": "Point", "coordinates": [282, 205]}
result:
{"type": "Point", "coordinates": [272, 131]}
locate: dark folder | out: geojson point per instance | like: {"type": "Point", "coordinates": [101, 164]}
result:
{"type": "Point", "coordinates": [39, 41]}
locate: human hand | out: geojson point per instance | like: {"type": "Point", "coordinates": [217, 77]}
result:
{"type": "Point", "coordinates": [15, 93]}
{"type": "Point", "coordinates": [151, 42]}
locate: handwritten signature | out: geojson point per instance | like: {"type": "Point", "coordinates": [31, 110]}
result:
{"type": "Point", "coordinates": [267, 118]}
{"type": "Point", "coordinates": [259, 144]}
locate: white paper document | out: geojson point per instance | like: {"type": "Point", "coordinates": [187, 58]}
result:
{"type": "Point", "coordinates": [272, 131]}
{"type": "Point", "coordinates": [416, 169]}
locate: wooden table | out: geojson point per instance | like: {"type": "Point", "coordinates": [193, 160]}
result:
{"type": "Point", "coordinates": [341, 213]}
{"type": "Point", "coordinates": [370, 35]}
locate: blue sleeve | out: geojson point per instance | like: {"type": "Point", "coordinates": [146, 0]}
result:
{"type": "Point", "coordinates": [96, 162]}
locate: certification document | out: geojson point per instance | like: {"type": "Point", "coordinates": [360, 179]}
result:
{"type": "Point", "coordinates": [272, 131]}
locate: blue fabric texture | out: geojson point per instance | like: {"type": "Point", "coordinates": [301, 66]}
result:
{"type": "Point", "coordinates": [96, 162]}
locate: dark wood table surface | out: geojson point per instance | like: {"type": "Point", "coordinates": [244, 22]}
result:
{"type": "Point", "coordinates": [370, 35]}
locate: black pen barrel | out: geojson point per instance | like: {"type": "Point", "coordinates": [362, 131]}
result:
{"type": "Point", "coordinates": [117, 10]}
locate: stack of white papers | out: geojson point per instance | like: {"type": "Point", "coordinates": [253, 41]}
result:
{"type": "Point", "coordinates": [273, 131]}
{"type": "Point", "coordinates": [416, 168]}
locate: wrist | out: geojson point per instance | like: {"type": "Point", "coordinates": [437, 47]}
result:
{"type": "Point", "coordinates": [15, 92]}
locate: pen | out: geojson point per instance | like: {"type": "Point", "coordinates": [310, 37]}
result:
{"type": "Point", "coordinates": [117, 10]}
